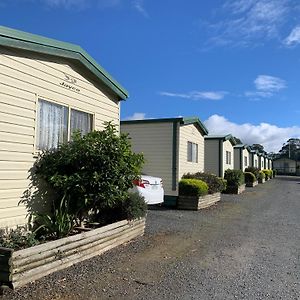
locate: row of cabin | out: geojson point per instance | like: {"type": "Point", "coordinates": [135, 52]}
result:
{"type": "Point", "coordinates": [176, 146]}
{"type": "Point", "coordinates": [50, 88]}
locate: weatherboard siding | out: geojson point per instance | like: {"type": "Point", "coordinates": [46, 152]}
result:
{"type": "Point", "coordinates": [211, 156]}
{"type": "Point", "coordinates": [24, 79]}
{"type": "Point", "coordinates": [237, 158]}
{"type": "Point", "coordinates": [155, 141]}
{"type": "Point", "coordinates": [227, 146]}
{"type": "Point", "coordinates": [189, 133]}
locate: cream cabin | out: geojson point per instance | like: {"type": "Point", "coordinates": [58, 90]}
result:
{"type": "Point", "coordinates": [219, 154]}
{"type": "Point", "coordinates": [171, 147]}
{"type": "Point", "coordinates": [48, 89]}
{"type": "Point", "coordinates": [254, 158]}
{"type": "Point", "coordinates": [241, 157]}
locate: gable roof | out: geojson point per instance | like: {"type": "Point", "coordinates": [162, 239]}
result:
{"type": "Point", "coordinates": [35, 43]}
{"type": "Point", "coordinates": [182, 120]}
{"type": "Point", "coordinates": [227, 137]}
{"type": "Point", "coordinates": [243, 146]}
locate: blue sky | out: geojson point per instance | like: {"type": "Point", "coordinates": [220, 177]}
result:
{"type": "Point", "coordinates": [235, 64]}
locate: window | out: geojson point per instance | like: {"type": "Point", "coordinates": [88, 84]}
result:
{"type": "Point", "coordinates": [228, 158]}
{"type": "Point", "coordinates": [246, 161]}
{"type": "Point", "coordinates": [192, 152]}
{"type": "Point", "coordinates": [53, 124]}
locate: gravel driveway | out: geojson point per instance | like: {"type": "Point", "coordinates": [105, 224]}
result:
{"type": "Point", "coordinates": [245, 247]}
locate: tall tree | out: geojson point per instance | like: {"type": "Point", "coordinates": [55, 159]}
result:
{"type": "Point", "coordinates": [258, 147]}
{"type": "Point", "coordinates": [291, 149]}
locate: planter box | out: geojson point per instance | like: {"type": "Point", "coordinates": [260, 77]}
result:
{"type": "Point", "coordinates": [261, 180]}
{"type": "Point", "coordinates": [252, 184]}
{"type": "Point", "coordinates": [20, 267]}
{"type": "Point", "coordinates": [196, 203]}
{"type": "Point", "coordinates": [235, 190]}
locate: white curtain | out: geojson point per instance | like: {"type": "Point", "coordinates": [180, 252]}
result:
{"type": "Point", "coordinates": [52, 125]}
{"type": "Point", "coordinates": [81, 121]}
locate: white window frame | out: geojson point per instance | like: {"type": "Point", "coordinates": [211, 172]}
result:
{"type": "Point", "coordinates": [228, 157]}
{"type": "Point", "coordinates": [245, 161]}
{"type": "Point", "coordinates": [70, 107]}
{"type": "Point", "coordinates": [193, 156]}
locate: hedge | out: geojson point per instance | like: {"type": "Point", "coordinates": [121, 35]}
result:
{"type": "Point", "coordinates": [234, 177]}
{"type": "Point", "coordinates": [253, 170]}
{"type": "Point", "coordinates": [249, 177]}
{"type": "Point", "coordinates": [192, 187]}
{"type": "Point", "coordinates": [215, 183]}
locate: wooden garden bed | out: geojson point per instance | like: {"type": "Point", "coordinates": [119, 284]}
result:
{"type": "Point", "coordinates": [235, 190]}
{"type": "Point", "coordinates": [195, 203]}
{"type": "Point", "coordinates": [252, 184]}
{"type": "Point", "coordinates": [20, 267]}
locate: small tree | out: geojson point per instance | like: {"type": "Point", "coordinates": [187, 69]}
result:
{"type": "Point", "coordinates": [91, 173]}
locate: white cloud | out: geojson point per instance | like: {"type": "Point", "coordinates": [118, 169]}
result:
{"type": "Point", "coordinates": [293, 38]}
{"type": "Point", "coordinates": [139, 6]}
{"type": "Point", "coordinates": [196, 95]}
{"type": "Point", "coordinates": [250, 22]}
{"type": "Point", "coordinates": [270, 136]}
{"type": "Point", "coordinates": [136, 116]}
{"type": "Point", "coordinates": [266, 86]}
{"type": "Point", "coordinates": [269, 83]}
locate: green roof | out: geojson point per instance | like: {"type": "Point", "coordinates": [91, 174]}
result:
{"type": "Point", "coordinates": [181, 120]}
{"type": "Point", "coordinates": [39, 44]}
{"type": "Point", "coordinates": [224, 138]}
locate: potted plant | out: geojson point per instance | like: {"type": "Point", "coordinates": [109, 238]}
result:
{"type": "Point", "coordinates": [193, 194]}
{"type": "Point", "coordinates": [250, 179]}
{"type": "Point", "coordinates": [235, 181]}
{"type": "Point", "coordinates": [261, 177]}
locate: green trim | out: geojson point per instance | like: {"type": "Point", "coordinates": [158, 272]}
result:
{"type": "Point", "coordinates": [243, 146]}
{"type": "Point", "coordinates": [174, 157]}
{"type": "Point", "coordinates": [221, 158]}
{"type": "Point", "coordinates": [222, 137]}
{"type": "Point", "coordinates": [182, 121]}
{"type": "Point", "coordinates": [195, 120]}
{"type": "Point", "coordinates": [170, 201]}
{"type": "Point", "coordinates": [30, 42]}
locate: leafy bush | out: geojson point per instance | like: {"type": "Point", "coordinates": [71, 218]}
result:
{"type": "Point", "coordinates": [17, 239]}
{"type": "Point", "coordinates": [268, 173]}
{"type": "Point", "coordinates": [274, 173]}
{"type": "Point", "coordinates": [58, 223]}
{"type": "Point", "coordinates": [215, 183]}
{"type": "Point", "coordinates": [90, 175]}
{"type": "Point", "coordinates": [249, 177]}
{"type": "Point", "coordinates": [192, 187]}
{"type": "Point", "coordinates": [253, 170]}
{"type": "Point", "coordinates": [134, 206]}
{"type": "Point", "coordinates": [261, 175]}
{"type": "Point", "coordinates": [234, 178]}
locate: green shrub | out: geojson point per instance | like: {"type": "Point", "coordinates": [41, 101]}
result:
{"type": "Point", "coordinates": [268, 173]}
{"type": "Point", "coordinates": [274, 173]}
{"type": "Point", "coordinates": [261, 175]}
{"type": "Point", "coordinates": [253, 170]}
{"type": "Point", "coordinates": [58, 223]}
{"type": "Point", "coordinates": [192, 187]}
{"type": "Point", "coordinates": [134, 207]}
{"type": "Point", "coordinates": [90, 175]}
{"type": "Point", "coordinates": [18, 238]}
{"type": "Point", "coordinates": [215, 183]}
{"type": "Point", "coordinates": [249, 177]}
{"type": "Point", "coordinates": [234, 178]}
